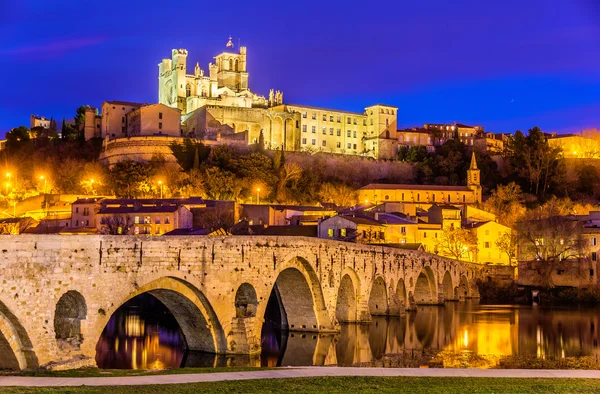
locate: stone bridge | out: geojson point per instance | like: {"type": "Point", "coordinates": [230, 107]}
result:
{"type": "Point", "coordinates": [57, 293]}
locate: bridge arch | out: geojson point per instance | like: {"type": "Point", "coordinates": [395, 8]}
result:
{"type": "Point", "coordinates": [14, 339]}
{"type": "Point", "coordinates": [300, 297]}
{"type": "Point", "coordinates": [347, 297]}
{"type": "Point", "coordinates": [245, 301]}
{"type": "Point", "coordinates": [447, 287]}
{"type": "Point", "coordinates": [70, 311]}
{"type": "Point", "coordinates": [426, 287]}
{"type": "Point", "coordinates": [463, 288]}
{"type": "Point", "coordinates": [190, 308]}
{"type": "Point", "coordinates": [378, 299]}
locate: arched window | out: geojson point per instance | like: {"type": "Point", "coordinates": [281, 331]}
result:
{"type": "Point", "coordinates": [188, 90]}
{"type": "Point", "coordinates": [231, 64]}
{"type": "Point", "coordinates": [237, 65]}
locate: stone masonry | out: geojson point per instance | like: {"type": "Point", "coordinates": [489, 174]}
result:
{"type": "Point", "coordinates": [57, 293]}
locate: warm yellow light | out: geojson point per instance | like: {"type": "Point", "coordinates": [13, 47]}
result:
{"type": "Point", "coordinates": [160, 182]}
{"type": "Point", "coordinates": [41, 177]}
{"type": "Point", "coordinates": [366, 201]}
{"type": "Point", "coordinates": [8, 174]}
{"type": "Point", "coordinates": [258, 189]}
{"type": "Point", "coordinates": [574, 153]}
{"type": "Point", "coordinates": [8, 185]}
{"type": "Point", "coordinates": [91, 180]}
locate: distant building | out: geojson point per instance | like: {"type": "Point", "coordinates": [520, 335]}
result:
{"type": "Point", "coordinates": [38, 121]}
{"type": "Point", "coordinates": [122, 119]}
{"type": "Point", "coordinates": [284, 215]}
{"type": "Point", "coordinates": [465, 134]}
{"type": "Point", "coordinates": [415, 197]}
{"type": "Point", "coordinates": [576, 146]}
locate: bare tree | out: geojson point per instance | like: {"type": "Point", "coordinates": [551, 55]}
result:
{"type": "Point", "coordinates": [550, 241]}
{"type": "Point", "coordinates": [458, 243]}
{"type": "Point", "coordinates": [117, 225]}
{"type": "Point", "coordinates": [507, 243]}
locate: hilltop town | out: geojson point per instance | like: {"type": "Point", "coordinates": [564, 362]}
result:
{"type": "Point", "coordinates": [211, 157]}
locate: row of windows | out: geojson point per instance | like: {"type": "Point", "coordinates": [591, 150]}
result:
{"type": "Point", "coordinates": [324, 143]}
{"type": "Point", "coordinates": [349, 133]}
{"type": "Point", "coordinates": [449, 199]}
{"type": "Point", "coordinates": [338, 118]}
{"type": "Point", "coordinates": [335, 232]}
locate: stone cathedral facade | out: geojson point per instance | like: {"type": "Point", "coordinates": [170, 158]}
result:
{"type": "Point", "coordinates": [218, 105]}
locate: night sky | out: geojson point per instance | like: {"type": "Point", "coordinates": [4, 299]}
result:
{"type": "Point", "coordinates": [506, 65]}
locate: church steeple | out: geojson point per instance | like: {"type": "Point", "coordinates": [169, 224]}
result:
{"type": "Point", "coordinates": [229, 43]}
{"type": "Point", "coordinates": [473, 162]}
{"type": "Point", "coordinates": [473, 178]}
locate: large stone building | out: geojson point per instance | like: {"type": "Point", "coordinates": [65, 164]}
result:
{"type": "Point", "coordinates": [221, 105]}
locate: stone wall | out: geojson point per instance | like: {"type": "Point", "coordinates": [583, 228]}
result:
{"type": "Point", "coordinates": [197, 278]}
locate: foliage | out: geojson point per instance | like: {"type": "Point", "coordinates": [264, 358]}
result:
{"type": "Point", "coordinates": [507, 243]}
{"type": "Point", "coordinates": [548, 238]}
{"type": "Point", "coordinates": [505, 203]}
{"type": "Point", "coordinates": [190, 154]}
{"type": "Point", "coordinates": [117, 225]}
{"type": "Point", "coordinates": [340, 194]}
{"type": "Point", "coordinates": [458, 243]}
{"type": "Point", "coordinates": [128, 176]}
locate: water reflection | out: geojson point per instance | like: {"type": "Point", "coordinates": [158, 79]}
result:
{"type": "Point", "coordinates": [136, 338]}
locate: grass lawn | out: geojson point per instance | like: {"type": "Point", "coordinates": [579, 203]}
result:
{"type": "Point", "coordinates": [96, 372]}
{"type": "Point", "coordinates": [348, 385]}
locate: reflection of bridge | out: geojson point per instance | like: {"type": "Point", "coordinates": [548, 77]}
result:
{"type": "Point", "coordinates": [58, 292]}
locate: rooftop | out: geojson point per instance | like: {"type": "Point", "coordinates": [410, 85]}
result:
{"type": "Point", "coordinates": [398, 186]}
{"type": "Point", "coordinates": [128, 103]}
{"type": "Point", "coordinates": [324, 109]}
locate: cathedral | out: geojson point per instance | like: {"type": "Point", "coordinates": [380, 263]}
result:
{"type": "Point", "coordinates": [219, 106]}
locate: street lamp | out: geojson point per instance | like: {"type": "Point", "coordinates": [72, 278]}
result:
{"type": "Point", "coordinates": [8, 176]}
{"type": "Point", "coordinates": [161, 189]}
{"type": "Point", "coordinates": [7, 186]}
{"type": "Point", "coordinates": [92, 186]}
{"type": "Point", "coordinates": [258, 195]}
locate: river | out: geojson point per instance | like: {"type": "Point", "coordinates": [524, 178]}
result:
{"type": "Point", "coordinates": [146, 336]}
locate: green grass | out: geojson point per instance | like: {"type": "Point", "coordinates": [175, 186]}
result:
{"type": "Point", "coordinates": [95, 372]}
{"type": "Point", "coordinates": [348, 385]}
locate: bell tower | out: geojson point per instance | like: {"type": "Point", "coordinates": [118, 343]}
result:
{"type": "Point", "coordinates": [474, 178]}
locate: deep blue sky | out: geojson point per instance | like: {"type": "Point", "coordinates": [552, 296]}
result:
{"type": "Point", "coordinates": [503, 64]}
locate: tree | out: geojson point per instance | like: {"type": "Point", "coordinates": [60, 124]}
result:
{"type": "Point", "coordinates": [550, 240]}
{"type": "Point", "coordinates": [221, 185]}
{"type": "Point", "coordinates": [117, 225]}
{"type": "Point", "coordinates": [189, 153]}
{"type": "Point", "coordinates": [505, 203]}
{"type": "Point", "coordinates": [588, 180]}
{"type": "Point", "coordinates": [128, 176]}
{"type": "Point", "coordinates": [458, 243]}
{"type": "Point", "coordinates": [507, 243]}
{"type": "Point", "coordinates": [17, 137]}
{"type": "Point", "coordinates": [340, 194]}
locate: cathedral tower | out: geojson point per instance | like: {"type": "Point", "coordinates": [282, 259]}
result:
{"type": "Point", "coordinates": [231, 68]}
{"type": "Point", "coordinates": [474, 179]}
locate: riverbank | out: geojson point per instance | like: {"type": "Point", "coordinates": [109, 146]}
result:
{"type": "Point", "coordinates": [511, 294]}
{"type": "Point", "coordinates": [319, 380]}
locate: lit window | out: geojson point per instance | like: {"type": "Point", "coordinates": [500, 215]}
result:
{"type": "Point", "coordinates": [349, 145]}
{"type": "Point", "coordinates": [330, 232]}
{"type": "Point", "coordinates": [324, 130]}
{"type": "Point", "coordinates": [339, 132]}
{"type": "Point", "coordinates": [314, 115]}
{"type": "Point", "coordinates": [331, 131]}
{"type": "Point", "coordinates": [343, 232]}
{"type": "Point", "coordinates": [331, 118]}
{"type": "Point", "coordinates": [339, 144]}
{"type": "Point", "coordinates": [349, 133]}
{"type": "Point", "coordinates": [354, 135]}
{"type": "Point", "coordinates": [304, 114]}
{"type": "Point", "coordinates": [136, 220]}
{"type": "Point", "coordinates": [324, 117]}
